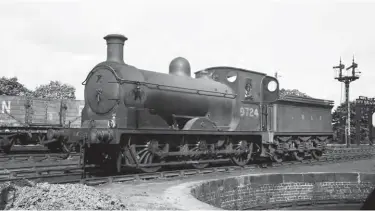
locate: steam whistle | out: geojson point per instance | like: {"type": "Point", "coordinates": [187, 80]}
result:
{"type": "Point", "coordinates": [277, 76]}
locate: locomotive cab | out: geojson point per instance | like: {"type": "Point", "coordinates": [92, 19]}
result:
{"type": "Point", "coordinates": [254, 92]}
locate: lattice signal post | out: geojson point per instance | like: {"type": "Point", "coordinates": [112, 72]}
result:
{"type": "Point", "coordinates": [347, 80]}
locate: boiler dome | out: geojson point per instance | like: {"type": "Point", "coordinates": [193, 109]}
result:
{"type": "Point", "coordinates": [180, 66]}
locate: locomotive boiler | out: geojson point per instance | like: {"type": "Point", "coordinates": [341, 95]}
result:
{"type": "Point", "coordinates": [143, 119]}
{"type": "Point", "coordinates": [147, 99]}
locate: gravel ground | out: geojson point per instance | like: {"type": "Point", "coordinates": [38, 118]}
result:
{"type": "Point", "coordinates": [26, 195]}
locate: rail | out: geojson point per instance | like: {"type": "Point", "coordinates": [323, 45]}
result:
{"type": "Point", "coordinates": [40, 157]}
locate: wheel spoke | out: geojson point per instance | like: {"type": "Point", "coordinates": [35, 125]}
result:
{"type": "Point", "coordinates": [243, 158]}
{"type": "Point", "coordinates": [199, 157]}
{"type": "Point", "coordinates": [316, 154]}
{"type": "Point", "coordinates": [298, 155]}
{"type": "Point", "coordinates": [141, 155]}
{"type": "Point", "coordinates": [146, 156]}
{"type": "Point", "coordinates": [278, 157]}
{"type": "Point", "coordinates": [151, 158]}
{"type": "Point", "coordinates": [119, 161]}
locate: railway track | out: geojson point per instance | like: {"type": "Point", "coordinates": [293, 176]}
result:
{"type": "Point", "coordinates": [351, 146]}
{"type": "Point", "coordinates": [6, 159]}
{"type": "Point", "coordinates": [24, 164]}
{"type": "Point", "coordinates": [71, 173]}
{"type": "Point", "coordinates": [37, 170]}
{"type": "Point", "coordinates": [39, 157]}
{"type": "Point", "coordinates": [330, 158]}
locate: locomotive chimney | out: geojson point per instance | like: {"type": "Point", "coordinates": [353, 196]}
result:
{"type": "Point", "coordinates": [115, 48]}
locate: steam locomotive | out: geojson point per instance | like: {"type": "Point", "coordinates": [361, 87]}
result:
{"type": "Point", "coordinates": [140, 119]}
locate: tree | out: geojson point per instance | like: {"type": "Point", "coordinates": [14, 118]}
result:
{"type": "Point", "coordinates": [11, 87]}
{"type": "Point", "coordinates": [55, 90]}
{"type": "Point", "coordinates": [292, 92]}
{"type": "Point", "coordinates": [339, 122]}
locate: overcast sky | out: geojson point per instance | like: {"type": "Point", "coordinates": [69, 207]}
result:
{"type": "Point", "coordinates": [62, 40]}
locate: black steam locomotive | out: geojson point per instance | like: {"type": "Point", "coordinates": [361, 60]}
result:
{"type": "Point", "coordinates": [145, 120]}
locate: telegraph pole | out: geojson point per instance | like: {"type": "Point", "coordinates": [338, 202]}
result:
{"type": "Point", "coordinates": [347, 80]}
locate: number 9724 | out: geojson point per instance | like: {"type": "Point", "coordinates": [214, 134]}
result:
{"type": "Point", "coordinates": [249, 112]}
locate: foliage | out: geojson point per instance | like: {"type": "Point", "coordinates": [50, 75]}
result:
{"type": "Point", "coordinates": [55, 90]}
{"type": "Point", "coordinates": [292, 92]}
{"type": "Point", "coordinates": [11, 87]}
{"type": "Point", "coordinates": [339, 122]}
